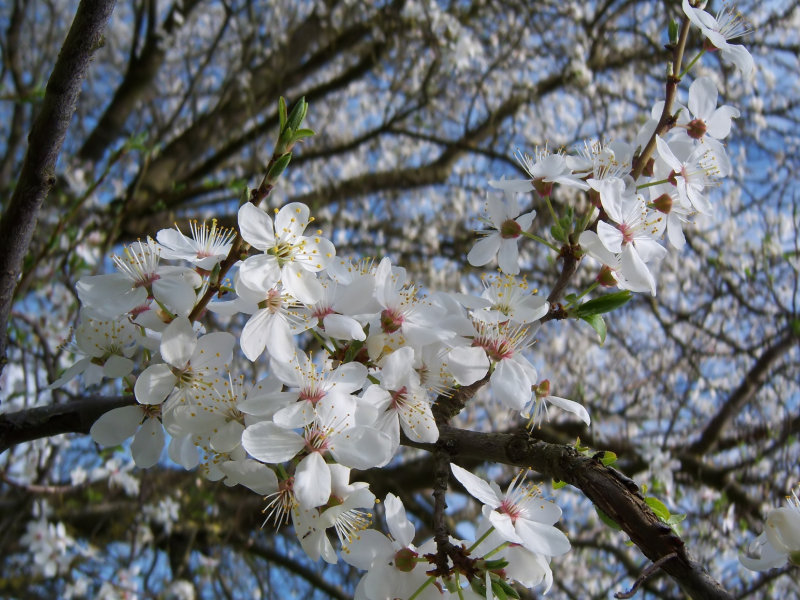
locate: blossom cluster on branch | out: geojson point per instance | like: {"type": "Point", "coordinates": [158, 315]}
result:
{"type": "Point", "coordinates": [387, 349]}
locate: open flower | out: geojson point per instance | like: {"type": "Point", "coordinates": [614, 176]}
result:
{"type": "Point", "coordinates": [289, 256]}
{"type": "Point", "coordinates": [140, 277]}
{"type": "Point", "coordinates": [780, 541]}
{"type": "Point", "coordinates": [520, 515]}
{"type": "Point", "coordinates": [727, 25]}
{"type": "Point", "coordinates": [206, 247]}
{"type": "Point", "coordinates": [508, 226]}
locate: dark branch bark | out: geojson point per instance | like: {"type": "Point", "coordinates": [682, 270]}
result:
{"type": "Point", "coordinates": [45, 140]}
{"type": "Point", "coordinates": [72, 417]}
{"type": "Point", "coordinates": [609, 490]}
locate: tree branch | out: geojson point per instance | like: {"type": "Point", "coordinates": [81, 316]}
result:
{"type": "Point", "coordinates": [45, 140]}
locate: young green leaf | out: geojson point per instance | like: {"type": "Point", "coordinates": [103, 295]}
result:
{"type": "Point", "coordinates": [598, 324]}
{"type": "Point", "coordinates": [658, 507]}
{"type": "Point", "coordinates": [607, 520]}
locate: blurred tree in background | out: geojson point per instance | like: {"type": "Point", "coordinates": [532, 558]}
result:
{"type": "Point", "coordinates": [416, 105]}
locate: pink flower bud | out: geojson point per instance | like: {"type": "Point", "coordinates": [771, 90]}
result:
{"type": "Point", "coordinates": [696, 129]}
{"type": "Point", "coordinates": [663, 204]}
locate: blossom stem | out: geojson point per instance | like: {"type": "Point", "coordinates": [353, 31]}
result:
{"type": "Point", "coordinates": [165, 309]}
{"type": "Point", "coordinates": [651, 184]}
{"type": "Point", "coordinates": [480, 539]}
{"type": "Point", "coordinates": [540, 240]}
{"type": "Point", "coordinates": [496, 550]}
{"type": "Point", "coordinates": [458, 587]}
{"type": "Point", "coordinates": [550, 207]}
{"type": "Point", "coordinates": [691, 64]}
{"type": "Point", "coordinates": [428, 581]}
{"type": "Point", "coordinates": [321, 341]}
{"type": "Point", "coordinates": [589, 289]}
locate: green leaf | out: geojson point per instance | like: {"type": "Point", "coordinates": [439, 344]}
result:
{"type": "Point", "coordinates": [557, 485]}
{"type": "Point", "coordinates": [302, 134]}
{"type": "Point", "coordinates": [609, 458]}
{"type": "Point", "coordinates": [299, 111]}
{"type": "Point", "coordinates": [675, 519]}
{"type": "Point", "coordinates": [628, 543]}
{"type": "Point", "coordinates": [279, 167]}
{"type": "Point", "coordinates": [499, 591]}
{"type": "Point", "coordinates": [598, 324]}
{"type": "Point", "coordinates": [607, 520]}
{"type": "Point", "coordinates": [557, 233]}
{"type": "Point", "coordinates": [282, 112]}
{"type": "Point", "coordinates": [604, 304]}
{"type": "Point", "coordinates": [673, 32]}
{"type": "Point", "coordinates": [658, 507]}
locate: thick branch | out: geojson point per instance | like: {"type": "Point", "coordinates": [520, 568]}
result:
{"type": "Point", "coordinates": [72, 417]}
{"type": "Point", "coordinates": [44, 145]}
{"type": "Point", "coordinates": [609, 490]}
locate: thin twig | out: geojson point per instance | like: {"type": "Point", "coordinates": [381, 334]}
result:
{"type": "Point", "coordinates": [643, 577]}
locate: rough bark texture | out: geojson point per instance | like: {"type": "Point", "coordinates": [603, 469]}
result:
{"type": "Point", "coordinates": [44, 145]}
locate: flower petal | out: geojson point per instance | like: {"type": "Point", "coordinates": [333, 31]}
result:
{"type": "Point", "coordinates": [312, 481]}
{"type": "Point", "coordinates": [117, 425]}
{"type": "Point", "coordinates": [148, 444]}
{"type": "Point", "coordinates": [477, 487]}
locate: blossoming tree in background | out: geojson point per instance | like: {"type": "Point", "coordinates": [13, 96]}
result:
{"type": "Point", "coordinates": [334, 392]}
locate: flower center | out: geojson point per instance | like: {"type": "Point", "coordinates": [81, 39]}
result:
{"type": "Point", "coordinates": [510, 229]}
{"type": "Point", "coordinates": [391, 320]}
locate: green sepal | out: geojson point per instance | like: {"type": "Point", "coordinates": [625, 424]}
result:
{"type": "Point", "coordinates": [658, 507]}
{"type": "Point", "coordinates": [598, 324]}
{"type": "Point", "coordinates": [603, 304]}
{"type": "Point", "coordinates": [279, 167]}
{"type": "Point", "coordinates": [607, 520]}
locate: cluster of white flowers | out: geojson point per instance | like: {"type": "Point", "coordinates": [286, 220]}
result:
{"type": "Point", "coordinates": [388, 350]}
{"type": "Point", "coordinates": [51, 546]}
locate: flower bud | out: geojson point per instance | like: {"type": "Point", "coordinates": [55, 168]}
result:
{"type": "Point", "coordinates": [649, 168]}
{"type": "Point", "coordinates": [663, 204]}
{"type": "Point", "coordinates": [606, 277]}
{"type": "Point", "coordinates": [404, 560]}
{"type": "Point", "coordinates": [672, 178]}
{"type": "Point", "coordinates": [696, 129]}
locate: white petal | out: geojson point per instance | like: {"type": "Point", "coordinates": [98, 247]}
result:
{"type": "Point", "coordinates": [634, 269]}
{"type": "Point", "coordinates": [291, 220]}
{"type": "Point", "coordinates": [400, 527]}
{"type": "Point", "coordinates": [502, 523]}
{"type": "Point", "coordinates": [667, 155]}
{"type": "Point", "coordinates": [312, 481]}
{"type": "Point", "coordinates": [570, 406]}
{"type": "Point", "coordinates": [476, 486]}
{"type": "Point", "coordinates": [739, 56]}
{"type": "Point", "coordinates": [467, 365]}
{"type": "Point", "coordinates": [182, 451]}
{"type": "Point", "coordinates": [610, 236]}
{"type": "Point", "coordinates": [542, 539]}
{"type": "Point", "coordinates": [279, 339]}
{"type": "Point", "coordinates": [148, 444]}
{"type": "Point", "coordinates": [256, 227]}
{"type": "Point", "coordinates": [512, 185]}
{"type": "Point", "coordinates": [511, 384]}
{"type": "Point", "coordinates": [227, 438]}
{"type": "Point", "coordinates": [719, 124]}
{"type": "Point", "coordinates": [117, 366]}
{"type": "Point", "coordinates": [255, 333]}
{"type": "Point", "coordinates": [251, 474]}
{"type": "Point", "coordinates": [71, 373]}
{"type": "Point", "coordinates": [259, 273]}
{"type": "Point", "coordinates": [271, 443]}
{"type": "Point", "coordinates": [178, 342]}
{"type": "Point", "coordinates": [675, 231]}
{"type": "Point", "coordinates": [116, 425]}
{"type": "Point", "coordinates": [508, 257]}
{"type": "Point", "coordinates": [300, 283]}
{"type": "Point", "coordinates": [296, 415]}
{"type": "Point", "coordinates": [703, 98]}
{"type": "Point", "coordinates": [175, 293]}
{"type": "Point", "coordinates": [343, 328]}
{"type": "Point", "coordinates": [484, 250]}
{"type": "Point", "coordinates": [155, 384]}
{"type": "Point", "coordinates": [361, 447]}
{"type": "Point", "coordinates": [370, 545]}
